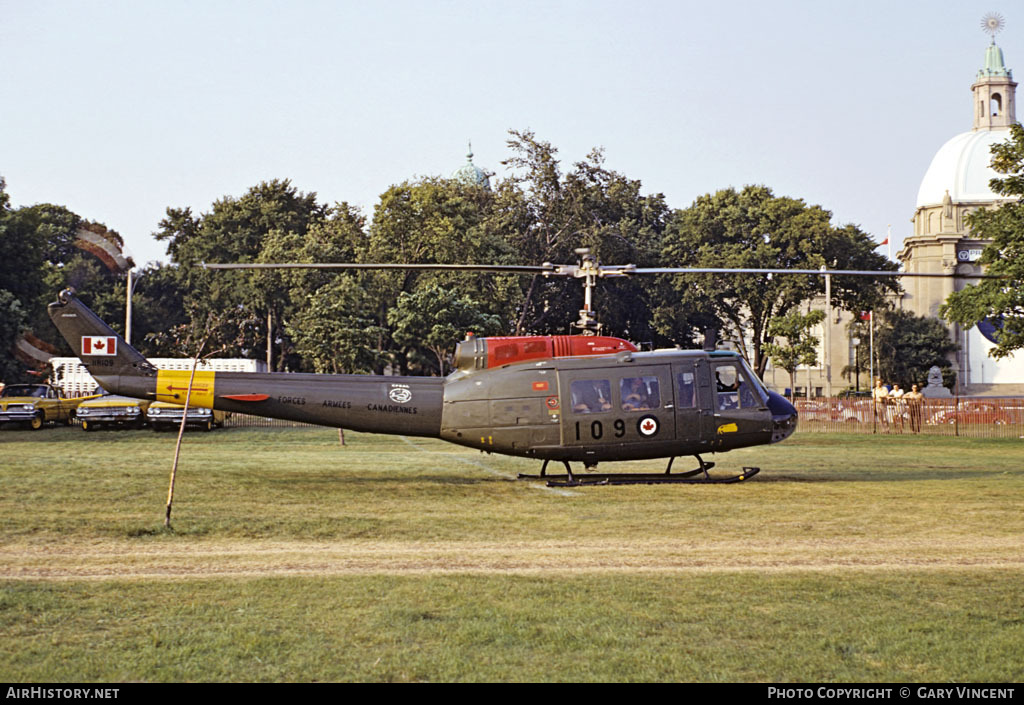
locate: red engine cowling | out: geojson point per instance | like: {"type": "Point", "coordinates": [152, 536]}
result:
{"type": "Point", "coordinates": [486, 353]}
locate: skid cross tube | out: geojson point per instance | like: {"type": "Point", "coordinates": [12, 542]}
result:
{"type": "Point", "coordinates": [689, 477]}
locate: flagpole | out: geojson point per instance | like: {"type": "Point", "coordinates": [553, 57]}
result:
{"type": "Point", "coordinates": [871, 351]}
{"type": "Point", "coordinates": [128, 310]}
{"type": "Point", "coordinates": [888, 241]}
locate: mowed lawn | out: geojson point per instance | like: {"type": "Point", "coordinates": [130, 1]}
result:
{"type": "Point", "coordinates": [867, 558]}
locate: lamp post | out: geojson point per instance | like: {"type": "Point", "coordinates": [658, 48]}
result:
{"type": "Point", "coordinates": [129, 290]}
{"type": "Point", "coordinates": [856, 362]}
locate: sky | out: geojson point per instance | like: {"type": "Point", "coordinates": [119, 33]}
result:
{"type": "Point", "coordinates": [119, 109]}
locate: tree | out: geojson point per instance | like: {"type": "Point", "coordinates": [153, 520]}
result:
{"type": "Point", "coordinates": [907, 346]}
{"type": "Point", "coordinates": [1000, 301]}
{"type": "Point", "coordinates": [158, 305]}
{"type": "Point", "coordinates": [435, 319]}
{"type": "Point", "coordinates": [336, 331]}
{"type": "Point", "coordinates": [801, 348]}
{"type": "Point", "coordinates": [13, 322]}
{"type": "Point", "coordinates": [433, 221]}
{"type": "Point", "coordinates": [237, 230]}
{"type": "Point", "coordinates": [40, 254]}
{"type": "Point", "coordinates": [753, 228]}
{"type": "Point", "coordinates": [21, 267]}
{"type": "Point", "coordinates": [546, 215]}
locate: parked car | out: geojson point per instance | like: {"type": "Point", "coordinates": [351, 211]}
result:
{"type": "Point", "coordinates": [111, 410]}
{"type": "Point", "coordinates": [815, 410]}
{"type": "Point", "coordinates": [857, 410]}
{"type": "Point", "coordinates": [163, 415]}
{"type": "Point", "coordinates": [977, 412]}
{"type": "Point", "coordinates": [36, 405]}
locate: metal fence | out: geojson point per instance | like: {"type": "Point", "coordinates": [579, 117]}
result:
{"type": "Point", "coordinates": [972, 417]}
{"type": "Point", "coordinates": [240, 420]}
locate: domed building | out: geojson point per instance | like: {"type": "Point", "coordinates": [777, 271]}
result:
{"type": "Point", "coordinates": [470, 173]}
{"type": "Point", "coordinates": [955, 184]}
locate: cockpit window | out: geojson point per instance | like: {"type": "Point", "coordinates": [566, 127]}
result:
{"type": "Point", "coordinates": [759, 392]}
{"type": "Point", "coordinates": [735, 387]}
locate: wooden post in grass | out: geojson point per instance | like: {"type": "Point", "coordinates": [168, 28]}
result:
{"type": "Point", "coordinates": [181, 433]}
{"type": "Point", "coordinates": [182, 337]}
{"type": "Point", "coordinates": [341, 436]}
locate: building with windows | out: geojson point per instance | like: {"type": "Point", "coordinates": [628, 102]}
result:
{"type": "Point", "coordinates": [955, 184]}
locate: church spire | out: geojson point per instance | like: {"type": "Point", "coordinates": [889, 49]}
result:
{"type": "Point", "coordinates": [994, 91]}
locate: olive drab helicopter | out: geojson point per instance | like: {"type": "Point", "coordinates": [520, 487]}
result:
{"type": "Point", "coordinates": [584, 398]}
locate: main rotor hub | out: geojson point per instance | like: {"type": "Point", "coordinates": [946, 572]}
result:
{"type": "Point", "coordinates": [589, 270]}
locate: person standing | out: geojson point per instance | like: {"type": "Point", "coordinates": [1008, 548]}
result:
{"type": "Point", "coordinates": [896, 406]}
{"type": "Point", "coordinates": [915, 401]}
{"type": "Point", "coordinates": [881, 399]}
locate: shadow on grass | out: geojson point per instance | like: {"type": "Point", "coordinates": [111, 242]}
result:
{"type": "Point", "coordinates": [914, 475]}
{"type": "Point", "coordinates": [307, 482]}
{"type": "Point", "coordinates": [148, 532]}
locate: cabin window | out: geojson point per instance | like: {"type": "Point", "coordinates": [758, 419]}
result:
{"type": "Point", "coordinates": [591, 396]}
{"type": "Point", "coordinates": [640, 393]}
{"type": "Point", "coordinates": [687, 383]}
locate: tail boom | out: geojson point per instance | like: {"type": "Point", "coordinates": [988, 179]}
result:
{"type": "Point", "coordinates": [374, 403]}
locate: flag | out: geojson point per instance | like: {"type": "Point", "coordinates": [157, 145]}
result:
{"type": "Point", "coordinates": [99, 345]}
{"type": "Point", "coordinates": [865, 315]}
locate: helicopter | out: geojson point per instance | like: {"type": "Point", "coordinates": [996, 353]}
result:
{"type": "Point", "coordinates": [582, 398]}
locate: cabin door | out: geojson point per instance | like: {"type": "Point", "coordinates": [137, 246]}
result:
{"type": "Point", "coordinates": [692, 380]}
{"type": "Point", "coordinates": [615, 406]}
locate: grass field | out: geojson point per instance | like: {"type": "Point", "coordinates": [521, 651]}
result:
{"type": "Point", "coordinates": [850, 558]}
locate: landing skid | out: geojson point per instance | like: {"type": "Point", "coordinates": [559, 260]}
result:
{"type": "Point", "coordinates": [689, 477]}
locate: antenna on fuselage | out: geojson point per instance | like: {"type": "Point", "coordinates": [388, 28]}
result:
{"type": "Point", "coordinates": [710, 339]}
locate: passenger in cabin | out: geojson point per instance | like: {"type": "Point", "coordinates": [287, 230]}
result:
{"type": "Point", "coordinates": [591, 396]}
{"type": "Point", "coordinates": [640, 393]}
{"type": "Point", "coordinates": [634, 394]}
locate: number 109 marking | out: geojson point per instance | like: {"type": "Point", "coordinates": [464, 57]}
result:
{"type": "Point", "coordinates": [597, 429]}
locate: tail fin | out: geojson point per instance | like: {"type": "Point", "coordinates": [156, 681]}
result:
{"type": "Point", "coordinates": [103, 352]}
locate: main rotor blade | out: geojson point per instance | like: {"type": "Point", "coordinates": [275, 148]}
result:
{"type": "Point", "coordinates": [818, 272]}
{"type": "Point", "coordinates": [601, 271]}
{"type": "Point", "coordinates": [496, 268]}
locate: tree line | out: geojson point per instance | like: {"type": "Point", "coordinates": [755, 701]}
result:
{"type": "Point", "coordinates": [540, 211]}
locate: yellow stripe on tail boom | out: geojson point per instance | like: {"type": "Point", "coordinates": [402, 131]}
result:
{"type": "Point", "coordinates": [172, 386]}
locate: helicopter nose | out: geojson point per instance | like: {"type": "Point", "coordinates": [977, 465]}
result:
{"type": "Point", "coordinates": [783, 417]}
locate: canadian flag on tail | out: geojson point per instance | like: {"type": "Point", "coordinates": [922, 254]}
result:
{"type": "Point", "coordinates": [99, 345]}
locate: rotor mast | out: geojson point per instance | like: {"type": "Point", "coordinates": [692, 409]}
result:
{"type": "Point", "coordinates": [589, 270]}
